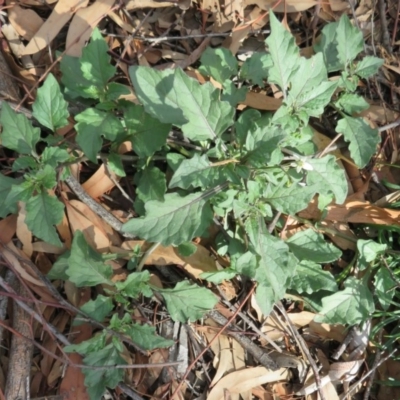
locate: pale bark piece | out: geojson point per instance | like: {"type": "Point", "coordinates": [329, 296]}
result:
{"type": "Point", "coordinates": [62, 13]}
{"type": "Point", "coordinates": [83, 23]}
{"type": "Point", "coordinates": [25, 21]}
{"type": "Point", "coordinates": [16, 45]}
{"type": "Point", "coordinates": [134, 4]}
{"type": "Point", "coordinates": [19, 367]}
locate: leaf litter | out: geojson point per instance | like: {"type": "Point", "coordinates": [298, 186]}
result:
{"type": "Point", "coordinates": [225, 369]}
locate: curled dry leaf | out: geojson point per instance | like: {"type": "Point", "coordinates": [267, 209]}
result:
{"type": "Point", "coordinates": [23, 233]}
{"type": "Point", "coordinates": [25, 21]}
{"type": "Point", "coordinates": [246, 379]}
{"type": "Point", "coordinates": [99, 183]}
{"type": "Point", "coordinates": [199, 262]}
{"type": "Point", "coordinates": [283, 5]}
{"type": "Point", "coordinates": [8, 228]}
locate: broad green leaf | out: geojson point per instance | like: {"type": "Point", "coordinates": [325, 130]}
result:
{"type": "Point", "coordinates": [310, 277]}
{"type": "Point", "coordinates": [98, 308]}
{"type": "Point", "coordinates": [25, 162]}
{"type": "Point", "coordinates": [18, 133]}
{"type": "Point", "coordinates": [311, 246]}
{"type": "Point", "coordinates": [368, 66]}
{"type": "Point", "coordinates": [145, 336]}
{"type": "Point", "coordinates": [349, 39]}
{"type": "Point", "coordinates": [198, 171]}
{"type": "Point", "coordinates": [92, 125]}
{"type": "Point", "coordinates": [50, 108]}
{"type": "Point", "coordinates": [188, 302]}
{"type": "Point", "coordinates": [45, 177]}
{"type": "Point", "coordinates": [328, 177]}
{"type": "Point", "coordinates": [22, 191]}
{"type": "Point", "coordinates": [59, 268]}
{"type": "Point", "coordinates": [384, 287]}
{"type": "Point", "coordinates": [95, 62]}
{"type": "Point", "coordinates": [368, 251]}
{"type": "Point", "coordinates": [284, 53]}
{"type": "Point", "coordinates": [232, 94]}
{"type": "Point", "coordinates": [290, 200]}
{"type": "Point", "coordinates": [6, 207]}
{"type": "Point", "coordinates": [146, 133]}
{"type": "Point", "coordinates": [174, 221]}
{"type": "Point", "coordinates": [314, 101]}
{"type": "Point", "coordinates": [42, 213]}
{"type": "Point", "coordinates": [352, 103]}
{"type": "Point", "coordinates": [91, 345]}
{"type": "Point", "coordinates": [116, 90]}
{"type": "Point", "coordinates": [115, 164]}
{"type": "Point", "coordinates": [363, 139]}
{"type": "Point", "coordinates": [219, 63]}
{"type": "Point", "coordinates": [152, 185]}
{"type": "Point", "coordinates": [54, 155]}
{"type": "Point", "coordinates": [135, 284]}
{"type": "Point", "coordinates": [247, 264]}
{"type": "Point", "coordinates": [350, 306]}
{"type": "Point", "coordinates": [328, 46]}
{"type": "Point", "coordinates": [255, 68]}
{"type": "Point", "coordinates": [75, 84]}
{"type": "Point", "coordinates": [245, 124]}
{"type": "Point", "coordinates": [172, 97]}
{"type": "Point", "coordinates": [310, 73]}
{"type": "Point", "coordinates": [218, 276]}
{"type": "Point", "coordinates": [275, 267]}
{"type": "Point", "coordinates": [187, 249]}
{"type": "Point", "coordinates": [96, 380]}
{"type": "Point", "coordinates": [86, 266]}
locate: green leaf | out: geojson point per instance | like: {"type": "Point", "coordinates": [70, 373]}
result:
{"type": "Point", "coordinates": [384, 287]}
{"type": "Point", "coordinates": [54, 155]}
{"type": "Point", "coordinates": [352, 103]}
{"type": "Point", "coordinates": [188, 302]}
{"type": "Point", "coordinates": [368, 251]}
{"type": "Point", "coordinates": [95, 62]}
{"type": "Point", "coordinates": [75, 84]}
{"type": "Point", "coordinates": [147, 133]}
{"type": "Point", "coordinates": [276, 266]}
{"type": "Point", "coordinates": [218, 276]}
{"type": "Point", "coordinates": [24, 162]}
{"type": "Point", "coordinates": [18, 133]}
{"type": "Point", "coordinates": [115, 164]}
{"type": "Point", "coordinates": [93, 344]}
{"type": "Point", "coordinates": [350, 306]}
{"type": "Point", "coordinates": [6, 207]}
{"type": "Point", "coordinates": [349, 39]}
{"type": "Point", "coordinates": [310, 245]}
{"type": "Point", "coordinates": [290, 200]}
{"type": "Point", "coordinates": [135, 284]}
{"type": "Point", "coordinates": [59, 268]}
{"type": "Point", "coordinates": [198, 171]}
{"type": "Point", "coordinates": [98, 309]}
{"type": "Point", "coordinates": [172, 97]}
{"type": "Point", "coordinates": [152, 185]}
{"type": "Point", "coordinates": [255, 68]}
{"type": "Point", "coordinates": [145, 336]}
{"type": "Point", "coordinates": [247, 264]}
{"type": "Point", "coordinates": [86, 266]}
{"type": "Point", "coordinates": [187, 249]}
{"type": "Point", "coordinates": [50, 108]}
{"type": "Point", "coordinates": [96, 380]}
{"type": "Point", "coordinates": [284, 53]}
{"type": "Point", "coordinates": [42, 213]}
{"type": "Point", "coordinates": [232, 94]}
{"type": "Point", "coordinates": [328, 46]}
{"type": "Point", "coordinates": [174, 221]}
{"type": "Point", "coordinates": [116, 90]}
{"type": "Point", "coordinates": [310, 277]}
{"type": "Point", "coordinates": [219, 63]}
{"type": "Point", "coordinates": [363, 139]}
{"type": "Point", "coordinates": [328, 176]}
{"type": "Point", "coordinates": [368, 66]}
{"type": "Point", "coordinates": [20, 192]}
{"type": "Point", "coordinates": [310, 74]}
{"type": "Point", "coordinates": [92, 125]}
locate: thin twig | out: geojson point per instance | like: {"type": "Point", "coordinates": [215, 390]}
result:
{"type": "Point", "coordinates": [384, 26]}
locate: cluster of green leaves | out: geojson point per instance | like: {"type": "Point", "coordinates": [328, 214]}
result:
{"type": "Point", "coordinates": [242, 168]}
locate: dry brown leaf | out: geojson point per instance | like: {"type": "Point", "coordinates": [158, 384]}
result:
{"type": "Point", "coordinates": [199, 262]}
{"type": "Point", "coordinates": [61, 14]}
{"type": "Point", "coordinates": [95, 236]}
{"type": "Point", "coordinates": [246, 379]}
{"type": "Point", "coordinates": [25, 21]}
{"type": "Point", "coordinates": [83, 23]}
{"type": "Point", "coordinates": [288, 6]}
{"type": "Point", "coordinates": [23, 233]}
{"type": "Point", "coordinates": [327, 331]}
{"type": "Point", "coordinates": [339, 5]}
{"type": "Point", "coordinates": [98, 184]}
{"type": "Point", "coordinates": [260, 101]}
{"type": "Point", "coordinates": [134, 4]}
{"type": "Point", "coordinates": [8, 227]}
